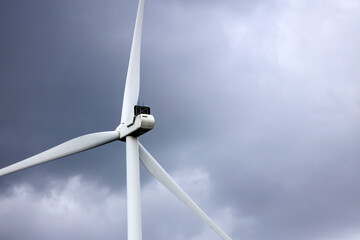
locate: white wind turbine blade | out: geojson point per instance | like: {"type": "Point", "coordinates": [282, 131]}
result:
{"type": "Point", "coordinates": [70, 147]}
{"type": "Point", "coordinates": [160, 174]}
{"type": "Point", "coordinates": [132, 85]}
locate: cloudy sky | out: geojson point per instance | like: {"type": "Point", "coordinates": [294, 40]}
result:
{"type": "Point", "coordinates": [257, 108]}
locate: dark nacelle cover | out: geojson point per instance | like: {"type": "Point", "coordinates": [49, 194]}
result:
{"type": "Point", "coordinates": [141, 110]}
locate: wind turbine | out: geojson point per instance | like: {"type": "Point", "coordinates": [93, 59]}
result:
{"type": "Point", "coordinates": [135, 121]}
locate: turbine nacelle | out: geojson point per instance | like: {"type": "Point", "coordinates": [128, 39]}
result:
{"type": "Point", "coordinates": [142, 122]}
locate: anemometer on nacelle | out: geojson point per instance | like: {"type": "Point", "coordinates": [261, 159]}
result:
{"type": "Point", "coordinates": [142, 122]}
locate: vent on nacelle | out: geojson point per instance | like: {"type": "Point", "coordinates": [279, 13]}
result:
{"type": "Point", "coordinates": [141, 110]}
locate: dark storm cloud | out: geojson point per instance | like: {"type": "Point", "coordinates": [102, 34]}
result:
{"type": "Point", "coordinates": [54, 57]}
{"type": "Point", "coordinates": [287, 77]}
{"type": "Point", "coordinates": [256, 106]}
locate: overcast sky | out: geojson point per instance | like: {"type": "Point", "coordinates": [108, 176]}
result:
{"type": "Point", "coordinates": [257, 108]}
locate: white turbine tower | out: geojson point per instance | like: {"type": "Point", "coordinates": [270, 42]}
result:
{"type": "Point", "coordinates": [135, 121]}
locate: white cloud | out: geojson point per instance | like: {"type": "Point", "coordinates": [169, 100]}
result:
{"type": "Point", "coordinates": [75, 210]}
{"type": "Point", "coordinates": [81, 209]}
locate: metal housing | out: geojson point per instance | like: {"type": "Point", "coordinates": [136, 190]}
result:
{"type": "Point", "coordinates": [141, 124]}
